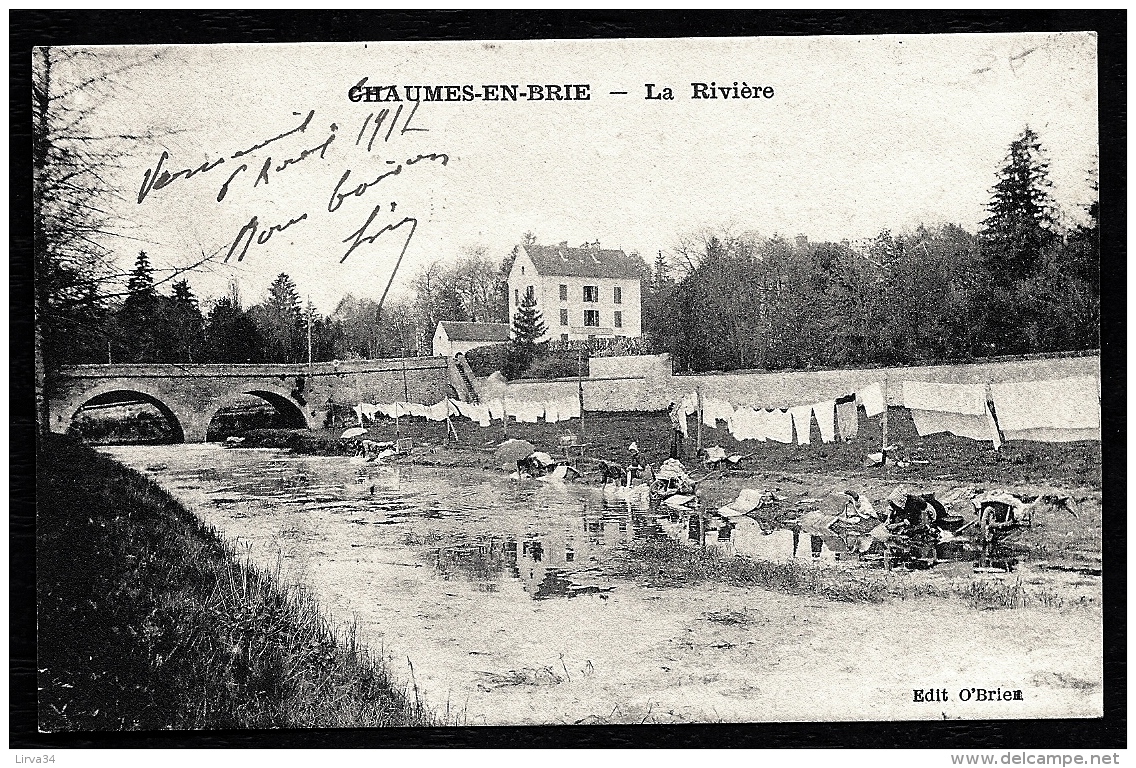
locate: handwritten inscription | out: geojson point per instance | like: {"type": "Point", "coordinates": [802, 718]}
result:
{"type": "Point", "coordinates": [259, 169]}
{"type": "Point", "coordinates": [157, 178]}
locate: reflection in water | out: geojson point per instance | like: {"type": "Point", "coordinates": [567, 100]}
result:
{"type": "Point", "coordinates": [560, 533]}
{"type": "Point", "coordinates": [562, 561]}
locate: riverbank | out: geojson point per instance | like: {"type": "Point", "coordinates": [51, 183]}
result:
{"type": "Point", "coordinates": [148, 620]}
{"type": "Point", "coordinates": [816, 471]}
{"type": "Point", "coordinates": [937, 458]}
{"type": "Point", "coordinates": [505, 595]}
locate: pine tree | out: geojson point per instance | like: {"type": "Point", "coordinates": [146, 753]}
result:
{"type": "Point", "coordinates": [140, 285]}
{"type": "Point", "coordinates": [1021, 224]}
{"type": "Point", "coordinates": [138, 321]}
{"type": "Point", "coordinates": [528, 328]}
{"type": "Point", "coordinates": [186, 325]}
{"type": "Point", "coordinates": [283, 322]}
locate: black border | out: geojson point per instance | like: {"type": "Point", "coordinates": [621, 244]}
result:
{"type": "Point", "coordinates": [27, 28]}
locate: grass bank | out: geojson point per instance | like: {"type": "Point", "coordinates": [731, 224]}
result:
{"type": "Point", "coordinates": [667, 564]}
{"type": "Point", "coordinates": [148, 620]}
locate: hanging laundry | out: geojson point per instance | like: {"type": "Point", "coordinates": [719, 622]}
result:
{"type": "Point", "coordinates": [963, 425]}
{"type": "Point", "coordinates": [678, 419]}
{"type": "Point", "coordinates": [689, 403]}
{"type": "Point", "coordinates": [779, 426]}
{"type": "Point", "coordinates": [760, 421]}
{"type": "Point", "coordinates": [471, 411]}
{"type": "Point", "coordinates": [359, 413]}
{"type": "Point", "coordinates": [825, 413]}
{"type": "Point", "coordinates": [1054, 411]}
{"type": "Point", "coordinates": [715, 409]}
{"type": "Point", "coordinates": [496, 409]}
{"type": "Point", "coordinates": [738, 425]}
{"type": "Point", "coordinates": [552, 412]}
{"type": "Point", "coordinates": [438, 411]}
{"type": "Point", "coordinates": [403, 409]}
{"type": "Point", "coordinates": [872, 398]}
{"type": "Point", "coordinates": [746, 424]}
{"type": "Point", "coordinates": [477, 412]}
{"type": "Point", "coordinates": [452, 407]}
{"type": "Point", "coordinates": [524, 410]}
{"type": "Point", "coordinates": [847, 417]}
{"type": "Point", "coordinates": [387, 409]}
{"type": "Point", "coordinates": [420, 410]}
{"type": "Point", "coordinates": [570, 407]}
{"type": "Point", "coordinates": [947, 398]}
{"type": "Point", "coordinates": [802, 423]}
{"type": "Point", "coordinates": [960, 409]}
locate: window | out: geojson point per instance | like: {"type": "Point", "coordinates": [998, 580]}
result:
{"type": "Point", "coordinates": [591, 318]}
{"type": "Point", "coordinates": [522, 270]}
{"type": "Point", "coordinates": [564, 337]}
{"type": "Point", "coordinates": [563, 292]}
{"type": "Point", "coordinates": [617, 296]}
{"type": "Point", "coordinates": [564, 317]}
{"type": "Point", "coordinates": [517, 297]}
{"type": "Point", "coordinates": [529, 292]}
{"type": "Point", "coordinates": [591, 293]}
{"type": "Point", "coordinates": [618, 319]}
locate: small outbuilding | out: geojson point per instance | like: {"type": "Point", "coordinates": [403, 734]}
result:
{"type": "Point", "coordinates": [451, 337]}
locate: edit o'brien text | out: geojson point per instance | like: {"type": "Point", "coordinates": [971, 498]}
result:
{"type": "Point", "coordinates": [924, 695]}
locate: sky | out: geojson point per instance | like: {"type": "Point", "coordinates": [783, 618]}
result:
{"type": "Point", "coordinates": [860, 134]}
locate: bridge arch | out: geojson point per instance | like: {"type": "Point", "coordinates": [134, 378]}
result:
{"type": "Point", "coordinates": [123, 391]}
{"type": "Point", "coordinates": [291, 411]}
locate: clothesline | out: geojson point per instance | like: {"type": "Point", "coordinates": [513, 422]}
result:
{"type": "Point", "coordinates": [1058, 410]}
{"type": "Point", "coordinates": [752, 422]}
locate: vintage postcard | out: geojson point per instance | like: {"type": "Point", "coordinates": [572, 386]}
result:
{"type": "Point", "coordinates": [542, 382]}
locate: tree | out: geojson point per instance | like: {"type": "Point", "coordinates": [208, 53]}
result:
{"type": "Point", "coordinates": [231, 336]}
{"type": "Point", "coordinates": [139, 325]}
{"type": "Point", "coordinates": [1021, 224]}
{"type": "Point", "coordinates": [477, 283]}
{"type": "Point", "coordinates": [76, 276]}
{"type": "Point", "coordinates": [281, 322]}
{"type": "Point", "coordinates": [528, 328]}
{"type": "Point", "coordinates": [186, 325]}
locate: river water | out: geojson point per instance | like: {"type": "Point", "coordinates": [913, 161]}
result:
{"type": "Point", "coordinates": [486, 594]}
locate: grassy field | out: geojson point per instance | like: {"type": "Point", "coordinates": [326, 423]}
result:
{"type": "Point", "coordinates": [148, 621]}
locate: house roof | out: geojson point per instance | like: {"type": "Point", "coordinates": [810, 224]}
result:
{"type": "Point", "coordinates": [456, 331]}
{"type": "Point", "coordinates": [584, 262]}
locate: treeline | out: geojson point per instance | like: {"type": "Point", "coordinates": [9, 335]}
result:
{"type": "Point", "coordinates": [1023, 284]}
{"type": "Point", "coordinates": [150, 327]}
{"type": "Point", "coordinates": [147, 326]}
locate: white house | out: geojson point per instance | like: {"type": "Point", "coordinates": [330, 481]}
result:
{"type": "Point", "coordinates": [450, 338]}
{"type": "Point", "coordinates": [581, 293]}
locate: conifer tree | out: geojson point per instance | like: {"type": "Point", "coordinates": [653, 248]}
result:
{"type": "Point", "coordinates": [528, 328]}
{"type": "Point", "coordinates": [138, 321]}
{"type": "Point", "coordinates": [283, 322]}
{"type": "Point", "coordinates": [1021, 224]}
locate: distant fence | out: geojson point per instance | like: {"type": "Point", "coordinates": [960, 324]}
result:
{"type": "Point", "coordinates": [618, 346]}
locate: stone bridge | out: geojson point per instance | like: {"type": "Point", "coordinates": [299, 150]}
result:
{"type": "Point", "coordinates": [190, 394]}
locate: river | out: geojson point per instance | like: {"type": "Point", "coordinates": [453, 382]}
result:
{"type": "Point", "coordinates": [486, 594]}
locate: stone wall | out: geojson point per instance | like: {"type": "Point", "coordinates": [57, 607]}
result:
{"type": "Point", "coordinates": [645, 382]}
